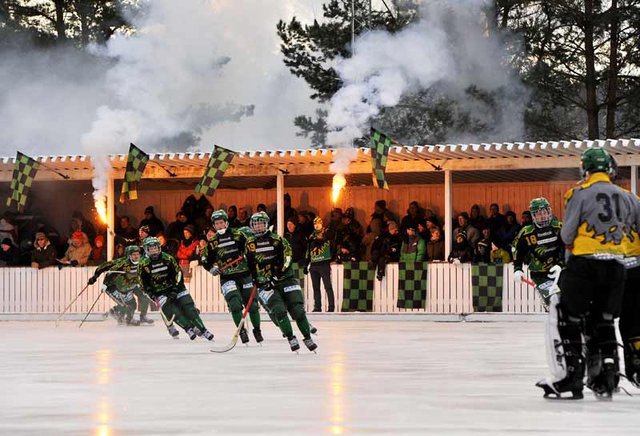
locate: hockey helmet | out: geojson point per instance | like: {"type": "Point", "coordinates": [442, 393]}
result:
{"type": "Point", "coordinates": [541, 212]}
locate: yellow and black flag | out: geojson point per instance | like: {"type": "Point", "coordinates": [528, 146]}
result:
{"type": "Point", "coordinates": [380, 144]}
{"type": "Point", "coordinates": [136, 163]}
{"type": "Point", "coordinates": [23, 175]}
{"type": "Point", "coordinates": [217, 165]}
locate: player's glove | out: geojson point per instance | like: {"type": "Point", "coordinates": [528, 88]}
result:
{"type": "Point", "coordinates": [518, 275]}
{"type": "Point", "coordinates": [554, 272]}
{"type": "Point", "coordinates": [214, 270]}
{"type": "Point", "coordinates": [92, 280]}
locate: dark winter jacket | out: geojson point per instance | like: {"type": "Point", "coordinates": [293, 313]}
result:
{"type": "Point", "coordinates": [44, 257]}
{"type": "Point", "coordinates": [298, 245]}
{"type": "Point", "coordinates": [9, 257]}
{"type": "Point", "coordinates": [154, 223]}
{"type": "Point", "coordinates": [435, 250]}
{"type": "Point", "coordinates": [461, 251]}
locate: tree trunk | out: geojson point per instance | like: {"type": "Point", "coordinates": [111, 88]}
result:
{"type": "Point", "coordinates": [612, 85]}
{"type": "Point", "coordinates": [60, 25]}
{"type": "Point", "coordinates": [590, 78]}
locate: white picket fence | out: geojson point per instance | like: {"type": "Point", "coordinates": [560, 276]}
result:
{"type": "Point", "coordinates": [50, 290]}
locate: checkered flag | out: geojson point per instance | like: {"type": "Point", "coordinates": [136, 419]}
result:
{"type": "Point", "coordinates": [23, 175]}
{"type": "Point", "coordinates": [136, 162]}
{"type": "Point", "coordinates": [412, 285]}
{"type": "Point", "coordinates": [218, 163]}
{"type": "Point", "coordinates": [380, 144]}
{"type": "Point", "coordinates": [357, 287]}
{"type": "Point", "coordinates": [486, 281]}
{"type": "Point", "coordinates": [298, 273]}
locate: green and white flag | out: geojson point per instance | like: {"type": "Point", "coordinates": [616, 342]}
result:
{"type": "Point", "coordinates": [217, 165]}
{"type": "Point", "coordinates": [486, 283]}
{"type": "Point", "coordinates": [136, 163]}
{"type": "Point", "coordinates": [357, 287]}
{"type": "Point", "coordinates": [23, 175]}
{"type": "Point", "coordinates": [380, 144]}
{"type": "Point", "coordinates": [412, 285]}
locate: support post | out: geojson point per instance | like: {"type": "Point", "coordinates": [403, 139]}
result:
{"type": "Point", "coordinates": [448, 212]}
{"type": "Point", "coordinates": [111, 213]}
{"type": "Point", "coordinates": [634, 179]}
{"type": "Point", "coordinates": [280, 202]}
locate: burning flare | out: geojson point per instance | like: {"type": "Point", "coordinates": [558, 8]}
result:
{"type": "Point", "coordinates": [339, 182]}
{"type": "Point", "coordinates": [101, 208]}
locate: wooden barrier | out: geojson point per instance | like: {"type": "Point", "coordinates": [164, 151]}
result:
{"type": "Point", "coordinates": [50, 290]}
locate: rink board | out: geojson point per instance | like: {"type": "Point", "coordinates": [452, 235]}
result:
{"type": "Point", "coordinates": [25, 291]}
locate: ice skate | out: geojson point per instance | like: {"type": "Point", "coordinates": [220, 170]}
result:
{"type": "Point", "coordinates": [207, 335]}
{"type": "Point", "coordinates": [173, 331]}
{"type": "Point", "coordinates": [145, 320]}
{"type": "Point", "coordinates": [310, 344]}
{"type": "Point", "coordinates": [604, 384]}
{"type": "Point", "coordinates": [191, 333]}
{"type": "Point", "coordinates": [133, 322]}
{"type": "Point", "coordinates": [244, 336]}
{"type": "Point", "coordinates": [257, 334]}
{"type": "Point", "coordinates": [294, 344]}
{"type": "Point", "coordinates": [560, 390]}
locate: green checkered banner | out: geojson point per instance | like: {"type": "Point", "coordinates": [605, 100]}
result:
{"type": "Point", "coordinates": [486, 283]}
{"type": "Point", "coordinates": [217, 165]}
{"type": "Point", "coordinates": [357, 287]}
{"type": "Point", "coordinates": [380, 144]}
{"type": "Point", "coordinates": [298, 273]}
{"type": "Point", "coordinates": [23, 175]}
{"type": "Point", "coordinates": [412, 285]}
{"type": "Point", "coordinates": [136, 163]}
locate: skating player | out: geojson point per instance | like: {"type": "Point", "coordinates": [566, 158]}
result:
{"type": "Point", "coordinates": [120, 284]}
{"type": "Point", "coordinates": [540, 245]}
{"type": "Point", "coordinates": [224, 255]}
{"type": "Point", "coordinates": [162, 280]}
{"type": "Point", "coordinates": [269, 259]}
{"type": "Point", "coordinates": [598, 217]}
{"type": "Point", "coordinates": [630, 314]}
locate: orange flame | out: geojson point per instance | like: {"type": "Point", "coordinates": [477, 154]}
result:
{"type": "Point", "coordinates": [101, 208]}
{"type": "Point", "coordinates": [339, 182]}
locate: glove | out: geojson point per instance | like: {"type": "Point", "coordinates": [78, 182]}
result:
{"type": "Point", "coordinates": [74, 263]}
{"type": "Point", "coordinates": [456, 261]}
{"type": "Point", "coordinates": [214, 270]}
{"type": "Point", "coordinates": [554, 272]}
{"type": "Point", "coordinates": [92, 280]}
{"type": "Point", "coordinates": [305, 270]}
{"type": "Point", "coordinates": [518, 275]}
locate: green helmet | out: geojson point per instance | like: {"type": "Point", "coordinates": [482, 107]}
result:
{"type": "Point", "coordinates": [149, 244]}
{"type": "Point", "coordinates": [595, 160]}
{"type": "Point", "coordinates": [217, 216]}
{"type": "Point", "coordinates": [540, 212]}
{"type": "Point", "coordinates": [130, 250]}
{"type": "Point", "coordinates": [259, 223]}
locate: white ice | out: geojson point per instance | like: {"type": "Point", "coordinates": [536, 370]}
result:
{"type": "Point", "coordinates": [369, 377]}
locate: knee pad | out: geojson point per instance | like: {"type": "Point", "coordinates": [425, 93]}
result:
{"type": "Point", "coordinates": [563, 342]}
{"type": "Point", "coordinates": [234, 302]}
{"type": "Point", "coordinates": [187, 304]}
{"type": "Point", "coordinates": [297, 311]}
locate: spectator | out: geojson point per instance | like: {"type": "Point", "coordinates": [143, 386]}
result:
{"type": "Point", "coordinates": [98, 254]}
{"type": "Point", "coordinates": [232, 213]}
{"type": "Point", "coordinates": [8, 230]}
{"type": "Point", "coordinates": [297, 241]}
{"type": "Point", "coordinates": [187, 249]}
{"type": "Point", "coordinates": [483, 247]}
{"type": "Point", "coordinates": [168, 246]}
{"type": "Point", "coordinates": [8, 253]}
{"type": "Point", "coordinates": [210, 233]}
{"type": "Point", "coordinates": [262, 208]}
{"type": "Point", "coordinates": [472, 235]}
{"type": "Point", "coordinates": [78, 252]}
{"type": "Point", "coordinates": [423, 231]}
{"type": "Point", "coordinates": [496, 220]}
{"type": "Point", "coordinates": [509, 231]}
{"type": "Point", "coordinates": [118, 250]}
{"type": "Point", "coordinates": [432, 223]}
{"type": "Point", "coordinates": [461, 251]}
{"type": "Point", "coordinates": [334, 229]}
{"type": "Point", "coordinates": [370, 239]}
{"type": "Point", "coordinates": [526, 218]}
{"type": "Point", "coordinates": [289, 212]}
{"type": "Point", "coordinates": [430, 216]}
{"type": "Point", "coordinates": [413, 248]}
{"type": "Point", "coordinates": [349, 238]}
{"type": "Point", "coordinates": [152, 221]}
{"type": "Point", "coordinates": [305, 223]}
{"type": "Point", "coordinates": [127, 235]}
{"type": "Point", "coordinates": [379, 210]}
{"type": "Point", "coordinates": [318, 264]}
{"type": "Point", "coordinates": [476, 219]}
{"type": "Point", "coordinates": [413, 218]}
{"type": "Point", "coordinates": [243, 217]}
{"type": "Point", "coordinates": [389, 250]}
{"type": "Point", "coordinates": [143, 233]}
{"type": "Point", "coordinates": [85, 226]}
{"type": "Point", "coordinates": [44, 254]}
{"type": "Point", "coordinates": [499, 255]}
{"type": "Point", "coordinates": [175, 229]}
{"type": "Point", "coordinates": [203, 221]}
{"type": "Point", "coordinates": [435, 246]}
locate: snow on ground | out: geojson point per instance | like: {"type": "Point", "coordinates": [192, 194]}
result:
{"type": "Point", "coordinates": [369, 377]}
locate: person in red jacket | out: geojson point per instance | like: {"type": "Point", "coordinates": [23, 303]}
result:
{"type": "Point", "coordinates": [187, 248]}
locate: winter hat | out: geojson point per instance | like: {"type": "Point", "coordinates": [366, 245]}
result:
{"type": "Point", "coordinates": [317, 220]}
{"type": "Point", "coordinates": [78, 235]}
{"type": "Point", "coordinates": [40, 235]}
{"type": "Point", "coordinates": [189, 228]}
{"type": "Point", "coordinates": [145, 229]}
{"type": "Point", "coordinates": [7, 241]}
{"type": "Point", "coordinates": [149, 209]}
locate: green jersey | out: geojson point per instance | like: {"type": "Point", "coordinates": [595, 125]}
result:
{"type": "Point", "coordinates": [541, 248]}
{"type": "Point", "coordinates": [269, 258]}
{"type": "Point", "coordinates": [160, 276]}
{"type": "Point", "coordinates": [223, 249]}
{"type": "Point", "coordinates": [125, 276]}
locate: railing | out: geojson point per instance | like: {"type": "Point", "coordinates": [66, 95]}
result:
{"type": "Point", "coordinates": [449, 291]}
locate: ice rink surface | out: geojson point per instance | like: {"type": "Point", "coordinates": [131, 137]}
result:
{"type": "Point", "coordinates": [369, 377]}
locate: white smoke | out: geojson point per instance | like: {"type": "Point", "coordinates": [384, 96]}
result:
{"type": "Point", "coordinates": [449, 48]}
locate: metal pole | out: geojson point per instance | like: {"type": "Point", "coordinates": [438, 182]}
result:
{"type": "Point", "coordinates": [280, 202]}
{"type": "Point", "coordinates": [634, 179]}
{"type": "Point", "coordinates": [353, 27]}
{"type": "Point", "coordinates": [448, 212]}
{"type": "Point", "coordinates": [111, 212]}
